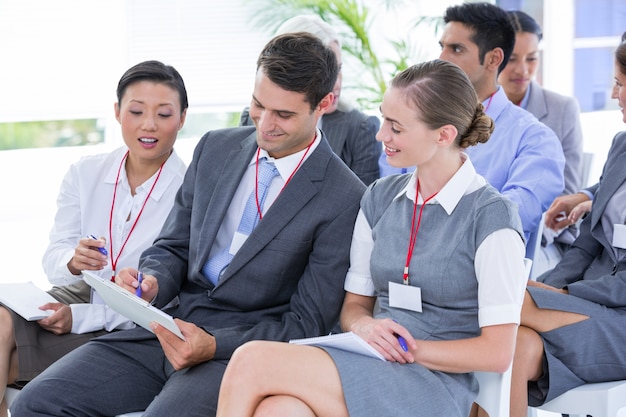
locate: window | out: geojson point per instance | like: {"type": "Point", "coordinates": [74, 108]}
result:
{"type": "Point", "coordinates": [64, 58]}
{"type": "Point", "coordinates": [580, 37]}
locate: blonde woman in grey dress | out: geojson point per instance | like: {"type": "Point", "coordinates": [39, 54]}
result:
{"type": "Point", "coordinates": [442, 253]}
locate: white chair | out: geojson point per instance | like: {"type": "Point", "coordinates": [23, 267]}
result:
{"type": "Point", "coordinates": [604, 399]}
{"type": "Point", "coordinates": [10, 395]}
{"type": "Point", "coordinates": [534, 240]}
{"type": "Point", "coordinates": [586, 168]}
{"type": "Point", "coordinates": [494, 392]}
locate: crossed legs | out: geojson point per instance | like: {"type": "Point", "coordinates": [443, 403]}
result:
{"type": "Point", "coordinates": [270, 378]}
{"type": "Point", "coordinates": [527, 361]}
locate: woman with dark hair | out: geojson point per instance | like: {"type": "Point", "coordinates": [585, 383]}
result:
{"type": "Point", "coordinates": [110, 208]}
{"type": "Point", "coordinates": [560, 113]}
{"type": "Point", "coordinates": [440, 231]}
{"type": "Point", "coordinates": [583, 297]}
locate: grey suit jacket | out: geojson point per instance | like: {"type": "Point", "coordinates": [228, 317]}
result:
{"type": "Point", "coordinates": [352, 136]}
{"type": "Point", "coordinates": [562, 115]}
{"type": "Point", "coordinates": [589, 268]}
{"type": "Point", "coordinates": [286, 281]}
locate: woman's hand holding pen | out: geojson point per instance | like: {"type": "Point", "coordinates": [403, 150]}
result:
{"type": "Point", "coordinates": [388, 337]}
{"type": "Point", "coordinates": [89, 254]}
{"type": "Point", "coordinates": [59, 322]}
{"type": "Point", "coordinates": [127, 278]}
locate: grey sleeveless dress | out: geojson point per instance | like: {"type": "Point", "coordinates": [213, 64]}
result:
{"type": "Point", "coordinates": [443, 267]}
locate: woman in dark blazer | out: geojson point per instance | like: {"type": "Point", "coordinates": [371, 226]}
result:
{"type": "Point", "coordinates": [560, 113]}
{"type": "Point", "coordinates": [583, 297]}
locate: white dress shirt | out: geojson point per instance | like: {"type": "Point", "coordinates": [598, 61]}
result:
{"type": "Point", "coordinates": [286, 167]}
{"type": "Point", "coordinates": [83, 208]}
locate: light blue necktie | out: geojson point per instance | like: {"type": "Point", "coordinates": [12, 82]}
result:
{"type": "Point", "coordinates": [215, 266]}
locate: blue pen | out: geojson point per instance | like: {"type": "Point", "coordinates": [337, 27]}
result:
{"type": "Point", "coordinates": [139, 278]}
{"type": "Point", "coordinates": [101, 250]}
{"type": "Point", "coordinates": [403, 344]}
{"type": "Point", "coordinates": [402, 341]}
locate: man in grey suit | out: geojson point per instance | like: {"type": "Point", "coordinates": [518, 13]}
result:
{"type": "Point", "coordinates": [282, 280]}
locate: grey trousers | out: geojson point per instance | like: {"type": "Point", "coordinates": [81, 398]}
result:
{"type": "Point", "coordinates": [110, 377]}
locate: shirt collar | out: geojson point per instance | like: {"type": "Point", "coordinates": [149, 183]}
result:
{"type": "Point", "coordinates": [464, 181]}
{"type": "Point", "coordinates": [524, 103]}
{"type": "Point", "coordinates": [170, 169]}
{"type": "Point", "coordinates": [287, 164]}
{"type": "Point", "coordinates": [499, 101]}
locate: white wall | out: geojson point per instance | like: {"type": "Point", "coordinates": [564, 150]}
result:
{"type": "Point", "coordinates": [30, 183]}
{"type": "Point", "coordinates": [62, 59]}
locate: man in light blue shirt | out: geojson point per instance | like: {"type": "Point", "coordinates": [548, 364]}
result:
{"type": "Point", "coordinates": [523, 159]}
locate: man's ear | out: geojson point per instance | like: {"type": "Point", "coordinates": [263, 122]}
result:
{"type": "Point", "coordinates": [494, 58]}
{"type": "Point", "coordinates": [325, 103]}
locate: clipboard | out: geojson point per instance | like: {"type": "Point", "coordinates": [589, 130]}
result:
{"type": "Point", "coordinates": [129, 305]}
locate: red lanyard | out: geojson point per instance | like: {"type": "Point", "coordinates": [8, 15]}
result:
{"type": "Point", "coordinates": [256, 183]}
{"type": "Point", "coordinates": [414, 230]}
{"type": "Point", "coordinates": [114, 259]}
{"type": "Point", "coordinates": [489, 102]}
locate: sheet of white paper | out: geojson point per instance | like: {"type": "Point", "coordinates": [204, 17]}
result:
{"type": "Point", "coordinates": [25, 298]}
{"type": "Point", "coordinates": [345, 341]}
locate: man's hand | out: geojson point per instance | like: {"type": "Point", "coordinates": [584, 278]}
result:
{"type": "Point", "coordinates": [127, 279]}
{"type": "Point", "coordinates": [60, 322]}
{"type": "Point", "coordinates": [559, 214]}
{"type": "Point", "coordinates": [198, 346]}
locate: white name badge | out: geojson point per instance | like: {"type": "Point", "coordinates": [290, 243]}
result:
{"type": "Point", "coordinates": [405, 296]}
{"type": "Point", "coordinates": [237, 243]}
{"type": "Point", "coordinates": [619, 236]}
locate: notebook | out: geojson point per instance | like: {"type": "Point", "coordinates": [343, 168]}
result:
{"type": "Point", "coordinates": [348, 341]}
{"type": "Point", "coordinates": [25, 298]}
{"type": "Point", "coordinates": [129, 305]}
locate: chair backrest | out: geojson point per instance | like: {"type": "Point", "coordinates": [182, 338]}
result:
{"type": "Point", "coordinates": [533, 246]}
{"type": "Point", "coordinates": [586, 168]}
{"type": "Point", "coordinates": [494, 392]}
{"type": "Point", "coordinates": [10, 395]}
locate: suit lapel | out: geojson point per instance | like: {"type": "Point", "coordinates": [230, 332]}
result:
{"type": "Point", "coordinates": [225, 189]}
{"type": "Point", "coordinates": [612, 179]}
{"type": "Point", "coordinates": [537, 101]}
{"type": "Point", "coordinates": [301, 189]}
